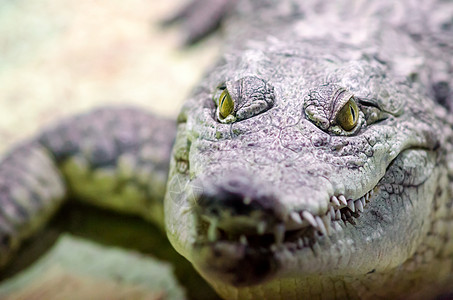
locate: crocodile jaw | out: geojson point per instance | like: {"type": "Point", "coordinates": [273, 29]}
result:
{"type": "Point", "coordinates": [347, 250]}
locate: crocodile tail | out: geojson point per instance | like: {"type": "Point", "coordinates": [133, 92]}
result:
{"type": "Point", "coordinates": [31, 189]}
{"type": "Point", "coordinates": [116, 158]}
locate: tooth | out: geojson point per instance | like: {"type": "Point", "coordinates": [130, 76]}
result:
{"type": "Point", "coordinates": [358, 204]}
{"type": "Point", "coordinates": [342, 200]}
{"type": "Point", "coordinates": [243, 239]}
{"type": "Point", "coordinates": [337, 214]}
{"type": "Point", "coordinates": [332, 213]}
{"type": "Point", "coordinates": [296, 217]}
{"type": "Point", "coordinates": [321, 226]}
{"type": "Point", "coordinates": [343, 217]}
{"type": "Point", "coordinates": [367, 196]}
{"type": "Point", "coordinates": [363, 201]}
{"type": "Point", "coordinates": [335, 201]}
{"type": "Point", "coordinates": [316, 248]}
{"type": "Point", "coordinates": [326, 221]}
{"type": "Point", "coordinates": [300, 243]}
{"type": "Point", "coordinates": [185, 210]}
{"type": "Point", "coordinates": [351, 205]}
{"type": "Point", "coordinates": [212, 231]}
{"type": "Point", "coordinates": [279, 234]}
{"type": "Point", "coordinates": [306, 241]}
{"type": "Point", "coordinates": [261, 227]}
{"type": "Point", "coordinates": [309, 217]}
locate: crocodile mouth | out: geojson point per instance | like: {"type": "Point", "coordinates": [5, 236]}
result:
{"type": "Point", "coordinates": [301, 230]}
{"type": "Point", "coordinates": [223, 252]}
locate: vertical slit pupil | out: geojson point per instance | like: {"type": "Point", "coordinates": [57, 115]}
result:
{"type": "Point", "coordinates": [352, 112]}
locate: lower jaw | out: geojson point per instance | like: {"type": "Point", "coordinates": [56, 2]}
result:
{"type": "Point", "coordinates": [239, 264]}
{"type": "Point", "coordinates": [292, 240]}
{"type": "Point", "coordinates": [285, 288]}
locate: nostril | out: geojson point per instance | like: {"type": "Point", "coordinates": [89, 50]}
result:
{"type": "Point", "coordinates": [238, 186]}
{"type": "Point", "coordinates": [233, 184]}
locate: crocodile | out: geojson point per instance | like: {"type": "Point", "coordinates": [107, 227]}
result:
{"type": "Point", "coordinates": [315, 158]}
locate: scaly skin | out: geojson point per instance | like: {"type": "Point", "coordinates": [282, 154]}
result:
{"type": "Point", "coordinates": [256, 203]}
{"type": "Point", "coordinates": [278, 200]}
{"type": "Point", "coordinates": [107, 157]}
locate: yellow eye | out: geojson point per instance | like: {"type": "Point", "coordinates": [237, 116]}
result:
{"type": "Point", "coordinates": [226, 104]}
{"type": "Point", "coordinates": [348, 116]}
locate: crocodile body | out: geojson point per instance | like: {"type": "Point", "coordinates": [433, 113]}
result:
{"type": "Point", "coordinates": [313, 160]}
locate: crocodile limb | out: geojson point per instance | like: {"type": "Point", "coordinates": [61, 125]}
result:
{"type": "Point", "coordinates": [115, 158]}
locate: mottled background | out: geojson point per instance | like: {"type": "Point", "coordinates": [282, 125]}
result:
{"type": "Point", "coordinates": [62, 57]}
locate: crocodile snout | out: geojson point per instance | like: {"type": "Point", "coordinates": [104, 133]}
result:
{"type": "Point", "coordinates": [238, 204]}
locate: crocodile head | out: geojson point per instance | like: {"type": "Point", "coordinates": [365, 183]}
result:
{"type": "Point", "coordinates": [293, 166]}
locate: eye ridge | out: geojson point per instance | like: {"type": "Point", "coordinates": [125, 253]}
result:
{"type": "Point", "coordinates": [333, 109]}
{"type": "Point", "coordinates": [242, 99]}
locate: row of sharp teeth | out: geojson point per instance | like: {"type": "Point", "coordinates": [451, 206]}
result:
{"type": "Point", "coordinates": [340, 202]}
{"type": "Point", "coordinates": [320, 223]}
{"type": "Point", "coordinates": [323, 223]}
